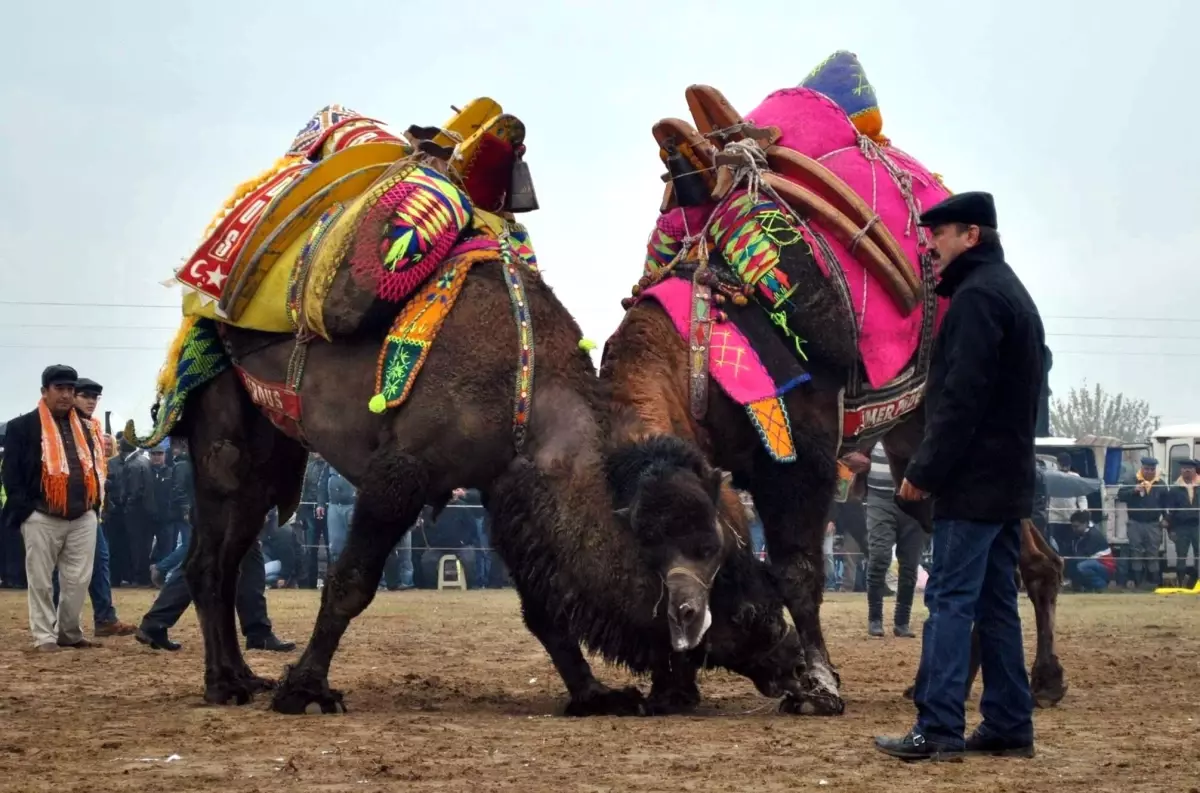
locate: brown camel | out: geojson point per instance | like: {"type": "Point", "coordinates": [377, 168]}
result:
{"type": "Point", "coordinates": [582, 573]}
{"type": "Point", "coordinates": [646, 369]}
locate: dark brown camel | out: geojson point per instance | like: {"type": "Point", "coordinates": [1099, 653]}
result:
{"type": "Point", "coordinates": [583, 574]}
{"type": "Point", "coordinates": [646, 369]}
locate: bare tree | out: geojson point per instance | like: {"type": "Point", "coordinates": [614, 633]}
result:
{"type": "Point", "coordinates": [1095, 411]}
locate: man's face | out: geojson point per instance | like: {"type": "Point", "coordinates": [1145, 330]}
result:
{"type": "Point", "coordinates": [1149, 471]}
{"type": "Point", "coordinates": [158, 457]}
{"type": "Point", "coordinates": [947, 243]}
{"type": "Point", "coordinates": [86, 403]}
{"type": "Point", "coordinates": [60, 398]}
{"type": "Point", "coordinates": [1188, 473]}
{"type": "Point", "coordinates": [1079, 528]}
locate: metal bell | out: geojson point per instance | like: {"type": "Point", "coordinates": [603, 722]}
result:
{"type": "Point", "coordinates": [690, 189]}
{"type": "Point", "coordinates": [521, 196]}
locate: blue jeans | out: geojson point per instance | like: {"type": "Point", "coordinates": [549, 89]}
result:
{"type": "Point", "coordinates": [173, 560]}
{"type": "Point", "coordinates": [483, 560]}
{"type": "Point", "coordinates": [1089, 574]}
{"type": "Point", "coordinates": [758, 538]}
{"type": "Point", "coordinates": [338, 518]}
{"type": "Point", "coordinates": [973, 582]}
{"type": "Point", "coordinates": [398, 572]}
{"type": "Point", "coordinates": [100, 589]}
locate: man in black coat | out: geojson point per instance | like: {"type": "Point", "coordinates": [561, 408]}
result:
{"type": "Point", "coordinates": [1183, 502]}
{"type": "Point", "coordinates": [977, 463]}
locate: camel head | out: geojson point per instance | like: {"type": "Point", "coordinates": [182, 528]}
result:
{"type": "Point", "coordinates": [667, 494]}
{"type": "Point", "coordinates": [750, 634]}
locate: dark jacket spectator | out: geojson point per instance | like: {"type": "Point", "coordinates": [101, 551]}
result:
{"type": "Point", "coordinates": [315, 490]}
{"type": "Point", "coordinates": [982, 394]}
{"type": "Point", "coordinates": [183, 489]}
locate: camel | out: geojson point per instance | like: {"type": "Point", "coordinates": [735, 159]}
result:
{"type": "Point", "coordinates": [735, 254]}
{"type": "Point", "coordinates": [646, 369]}
{"type": "Point", "coordinates": [582, 572]}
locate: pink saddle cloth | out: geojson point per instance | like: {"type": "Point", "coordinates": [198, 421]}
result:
{"type": "Point", "coordinates": [732, 362]}
{"type": "Point", "coordinates": [814, 125]}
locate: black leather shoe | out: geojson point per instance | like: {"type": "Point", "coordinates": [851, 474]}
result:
{"type": "Point", "coordinates": [913, 747]}
{"type": "Point", "coordinates": [156, 640]}
{"type": "Point", "coordinates": [980, 743]}
{"type": "Point", "coordinates": [272, 643]}
{"type": "Point", "coordinates": [903, 632]}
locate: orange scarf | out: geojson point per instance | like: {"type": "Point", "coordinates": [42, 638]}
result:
{"type": "Point", "coordinates": [99, 454]}
{"type": "Point", "coordinates": [55, 470]}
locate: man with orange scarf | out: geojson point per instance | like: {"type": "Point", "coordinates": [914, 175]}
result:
{"type": "Point", "coordinates": [53, 479]}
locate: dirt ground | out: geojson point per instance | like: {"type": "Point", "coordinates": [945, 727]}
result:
{"type": "Point", "coordinates": [447, 691]}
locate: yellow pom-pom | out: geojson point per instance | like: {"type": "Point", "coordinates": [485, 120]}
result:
{"type": "Point", "coordinates": [378, 403]}
{"type": "Point", "coordinates": [587, 345]}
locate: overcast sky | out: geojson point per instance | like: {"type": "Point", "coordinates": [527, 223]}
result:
{"type": "Point", "coordinates": [126, 125]}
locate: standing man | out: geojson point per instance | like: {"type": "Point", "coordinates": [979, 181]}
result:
{"type": "Point", "coordinates": [1060, 510]}
{"type": "Point", "coordinates": [314, 500]}
{"type": "Point", "coordinates": [1147, 504]}
{"type": "Point", "coordinates": [138, 508]}
{"type": "Point", "coordinates": [977, 463]}
{"type": "Point", "coordinates": [53, 486]}
{"type": "Point", "coordinates": [1185, 519]}
{"type": "Point", "coordinates": [104, 613]}
{"type": "Point", "coordinates": [889, 527]}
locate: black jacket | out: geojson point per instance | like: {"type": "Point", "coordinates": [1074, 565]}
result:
{"type": "Point", "coordinates": [1184, 507]}
{"type": "Point", "coordinates": [1148, 507]}
{"type": "Point", "coordinates": [981, 396]}
{"type": "Point", "coordinates": [183, 489]}
{"type": "Point", "coordinates": [22, 470]}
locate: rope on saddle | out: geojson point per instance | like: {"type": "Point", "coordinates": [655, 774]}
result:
{"type": "Point", "coordinates": [518, 296]}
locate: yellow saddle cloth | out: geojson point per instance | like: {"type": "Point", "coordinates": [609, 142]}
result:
{"type": "Point", "coordinates": [241, 272]}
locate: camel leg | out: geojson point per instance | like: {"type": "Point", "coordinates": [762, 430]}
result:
{"type": "Point", "coordinates": [517, 501]}
{"type": "Point", "coordinates": [673, 686]}
{"type": "Point", "coordinates": [794, 520]}
{"type": "Point", "coordinates": [391, 497]}
{"type": "Point", "coordinates": [1041, 570]}
{"type": "Point", "coordinates": [240, 461]}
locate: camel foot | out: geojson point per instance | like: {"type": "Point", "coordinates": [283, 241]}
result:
{"type": "Point", "coordinates": [300, 693]}
{"type": "Point", "coordinates": [239, 690]}
{"type": "Point", "coordinates": [1047, 684]}
{"type": "Point", "coordinates": [600, 700]}
{"type": "Point", "coordinates": [672, 701]}
{"type": "Point", "coordinates": [812, 703]}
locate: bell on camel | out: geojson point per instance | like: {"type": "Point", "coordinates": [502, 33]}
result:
{"type": "Point", "coordinates": [690, 189]}
{"type": "Point", "coordinates": [521, 195]}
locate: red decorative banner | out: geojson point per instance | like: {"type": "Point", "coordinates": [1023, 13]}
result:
{"type": "Point", "coordinates": [278, 403]}
{"type": "Point", "coordinates": [209, 266]}
{"type": "Point", "coordinates": [879, 415]}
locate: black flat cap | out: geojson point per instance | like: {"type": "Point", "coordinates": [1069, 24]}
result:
{"type": "Point", "coordinates": [86, 386]}
{"type": "Point", "coordinates": [58, 375]}
{"type": "Point", "coordinates": [974, 209]}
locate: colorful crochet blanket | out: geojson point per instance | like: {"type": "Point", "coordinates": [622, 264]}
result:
{"type": "Point", "coordinates": [893, 183]}
{"type": "Point", "coordinates": [194, 358]}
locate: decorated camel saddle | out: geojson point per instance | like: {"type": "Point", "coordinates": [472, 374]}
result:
{"type": "Point", "coordinates": [749, 201]}
{"type": "Point", "coordinates": [353, 228]}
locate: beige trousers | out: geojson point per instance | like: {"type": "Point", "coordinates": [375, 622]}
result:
{"type": "Point", "coordinates": [69, 545]}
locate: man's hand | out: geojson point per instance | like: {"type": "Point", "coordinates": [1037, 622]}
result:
{"type": "Point", "coordinates": [155, 577]}
{"type": "Point", "coordinates": [910, 492]}
{"type": "Point", "coordinates": [320, 513]}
